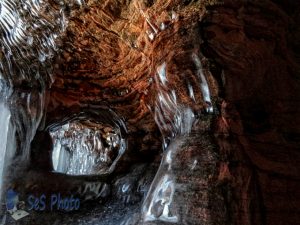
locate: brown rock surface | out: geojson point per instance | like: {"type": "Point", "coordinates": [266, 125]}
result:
{"type": "Point", "coordinates": [252, 49]}
{"type": "Point", "coordinates": [256, 45]}
{"type": "Point", "coordinates": [110, 55]}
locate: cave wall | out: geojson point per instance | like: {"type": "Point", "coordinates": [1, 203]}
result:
{"type": "Point", "coordinates": [256, 45]}
{"type": "Point", "coordinates": [249, 52]}
{"type": "Point", "coordinates": [251, 49]}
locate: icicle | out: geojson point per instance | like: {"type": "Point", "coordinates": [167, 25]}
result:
{"type": "Point", "coordinates": [83, 145]}
{"type": "Point", "coordinates": [4, 124]}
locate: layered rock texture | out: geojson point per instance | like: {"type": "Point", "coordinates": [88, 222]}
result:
{"type": "Point", "coordinates": [257, 46]}
{"type": "Point", "coordinates": [110, 56]}
{"type": "Point", "coordinates": [240, 164]}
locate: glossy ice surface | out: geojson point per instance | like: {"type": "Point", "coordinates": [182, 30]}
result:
{"type": "Point", "coordinates": [83, 147]}
{"type": "Point", "coordinates": [31, 36]}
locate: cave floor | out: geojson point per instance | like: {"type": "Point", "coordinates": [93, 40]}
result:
{"type": "Point", "coordinates": [89, 213]}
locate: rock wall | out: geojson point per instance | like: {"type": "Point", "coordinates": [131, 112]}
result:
{"type": "Point", "coordinates": [251, 48]}
{"type": "Point", "coordinates": [234, 63]}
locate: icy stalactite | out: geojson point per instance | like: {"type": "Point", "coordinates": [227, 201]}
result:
{"type": "Point", "coordinates": [203, 84]}
{"type": "Point", "coordinates": [175, 119]}
{"type": "Point", "coordinates": [4, 124]}
{"type": "Point", "coordinates": [28, 34]}
{"type": "Point", "coordinates": [171, 117]}
{"type": "Point", "coordinates": [29, 37]}
{"type": "Point", "coordinates": [79, 150]}
{"type": "Point", "coordinates": [88, 143]}
{"type": "Point", "coordinates": [27, 109]}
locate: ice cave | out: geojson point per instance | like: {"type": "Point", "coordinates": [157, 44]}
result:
{"type": "Point", "coordinates": [150, 112]}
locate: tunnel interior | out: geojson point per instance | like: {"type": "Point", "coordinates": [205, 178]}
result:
{"type": "Point", "coordinates": [152, 112]}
